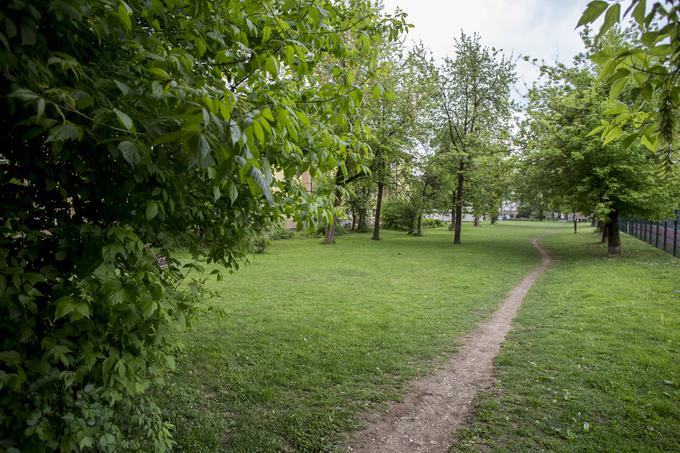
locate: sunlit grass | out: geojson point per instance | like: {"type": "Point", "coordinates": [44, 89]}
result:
{"type": "Point", "coordinates": [315, 336]}
{"type": "Point", "coordinates": [593, 360]}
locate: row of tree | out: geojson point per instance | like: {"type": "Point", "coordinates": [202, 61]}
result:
{"type": "Point", "coordinates": [440, 135]}
{"type": "Point", "coordinates": [596, 137]}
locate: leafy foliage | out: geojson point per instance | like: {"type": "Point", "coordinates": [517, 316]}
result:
{"type": "Point", "coordinates": [398, 215]}
{"type": "Point", "coordinates": [647, 68]}
{"type": "Point", "coordinates": [565, 168]}
{"type": "Point", "coordinates": [131, 129]}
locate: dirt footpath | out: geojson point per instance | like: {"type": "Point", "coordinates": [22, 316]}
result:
{"type": "Point", "coordinates": [435, 405]}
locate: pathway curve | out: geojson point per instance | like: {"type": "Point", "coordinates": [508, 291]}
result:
{"type": "Point", "coordinates": [436, 405]}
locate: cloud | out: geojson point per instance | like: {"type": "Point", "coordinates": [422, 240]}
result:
{"type": "Point", "coordinates": [542, 29]}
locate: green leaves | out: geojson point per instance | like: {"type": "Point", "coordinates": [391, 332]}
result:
{"type": "Point", "coordinates": [130, 152]}
{"type": "Point", "coordinates": [69, 305]}
{"type": "Point", "coordinates": [639, 12]}
{"type": "Point", "coordinates": [65, 132]}
{"type": "Point", "coordinates": [257, 177]}
{"type": "Point", "coordinates": [125, 120]}
{"type": "Point", "coordinates": [124, 17]}
{"type": "Point", "coordinates": [611, 18]}
{"type": "Point", "coordinates": [612, 134]}
{"type": "Point", "coordinates": [592, 12]}
{"type": "Point", "coordinates": [159, 73]}
{"type": "Point", "coordinates": [151, 210]}
{"type": "Point", "coordinates": [139, 128]}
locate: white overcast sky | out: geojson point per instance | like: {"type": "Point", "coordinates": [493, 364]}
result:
{"type": "Point", "coordinates": [542, 29]}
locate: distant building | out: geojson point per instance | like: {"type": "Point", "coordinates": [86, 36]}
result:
{"type": "Point", "coordinates": [509, 210]}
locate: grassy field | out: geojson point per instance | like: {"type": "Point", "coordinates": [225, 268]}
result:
{"type": "Point", "coordinates": [316, 336]}
{"type": "Point", "coordinates": [593, 360]}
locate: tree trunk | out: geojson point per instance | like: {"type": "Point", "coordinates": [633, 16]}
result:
{"type": "Point", "coordinates": [494, 219]}
{"type": "Point", "coordinates": [600, 227]}
{"type": "Point", "coordinates": [605, 232]}
{"type": "Point", "coordinates": [477, 222]}
{"type": "Point", "coordinates": [361, 224]}
{"type": "Point", "coordinates": [453, 210]}
{"type": "Point", "coordinates": [575, 225]}
{"type": "Point", "coordinates": [354, 219]}
{"type": "Point", "coordinates": [614, 242]}
{"type": "Point", "coordinates": [330, 232]}
{"type": "Point", "coordinates": [459, 203]}
{"type": "Point", "coordinates": [419, 227]}
{"type": "Point", "coordinates": [378, 207]}
{"type": "Point", "coordinates": [593, 222]}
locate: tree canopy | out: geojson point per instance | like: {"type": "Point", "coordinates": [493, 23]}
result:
{"type": "Point", "coordinates": [133, 129]}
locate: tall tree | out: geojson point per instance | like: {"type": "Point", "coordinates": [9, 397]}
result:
{"type": "Point", "coordinates": [570, 168]}
{"type": "Point", "coordinates": [392, 116]}
{"type": "Point", "coordinates": [471, 103]}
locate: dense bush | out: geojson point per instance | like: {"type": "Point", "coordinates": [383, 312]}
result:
{"type": "Point", "coordinates": [398, 215]}
{"type": "Point", "coordinates": [279, 233]}
{"type": "Point", "coordinates": [121, 142]}
{"type": "Point", "coordinates": [432, 223]}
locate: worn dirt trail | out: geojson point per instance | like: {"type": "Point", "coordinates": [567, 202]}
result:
{"type": "Point", "coordinates": [435, 405]}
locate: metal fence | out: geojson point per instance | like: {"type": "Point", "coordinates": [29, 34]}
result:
{"type": "Point", "coordinates": [662, 235]}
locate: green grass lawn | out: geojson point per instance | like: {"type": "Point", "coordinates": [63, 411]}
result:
{"type": "Point", "coordinates": [316, 336]}
{"type": "Point", "coordinates": [593, 360]}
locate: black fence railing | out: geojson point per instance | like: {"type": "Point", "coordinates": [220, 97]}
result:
{"type": "Point", "coordinates": [662, 235]}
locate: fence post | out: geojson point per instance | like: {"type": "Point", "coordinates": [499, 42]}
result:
{"type": "Point", "coordinates": [665, 233]}
{"type": "Point", "coordinates": [675, 236]}
{"type": "Point", "coordinates": [656, 234]}
{"type": "Point", "coordinates": [644, 231]}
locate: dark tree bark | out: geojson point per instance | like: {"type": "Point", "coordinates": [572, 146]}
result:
{"type": "Point", "coordinates": [361, 224]}
{"type": "Point", "coordinates": [477, 222]}
{"type": "Point", "coordinates": [459, 203]}
{"type": "Point", "coordinates": [340, 181]}
{"type": "Point", "coordinates": [605, 232]}
{"type": "Point", "coordinates": [600, 226]}
{"type": "Point", "coordinates": [354, 219]}
{"type": "Point", "coordinates": [614, 240]}
{"type": "Point", "coordinates": [419, 227]}
{"type": "Point", "coordinates": [494, 219]}
{"type": "Point", "coordinates": [453, 210]}
{"type": "Point", "coordinates": [575, 224]}
{"type": "Point", "coordinates": [378, 208]}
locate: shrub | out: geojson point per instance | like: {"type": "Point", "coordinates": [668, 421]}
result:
{"type": "Point", "coordinates": [397, 215]}
{"type": "Point", "coordinates": [432, 223]}
{"type": "Point", "coordinates": [279, 233]}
